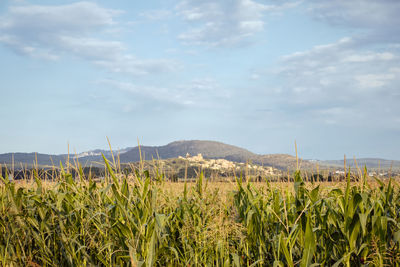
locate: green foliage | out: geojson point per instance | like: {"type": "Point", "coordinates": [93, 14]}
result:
{"type": "Point", "coordinates": [122, 222]}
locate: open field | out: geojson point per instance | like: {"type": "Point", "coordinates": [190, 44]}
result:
{"type": "Point", "coordinates": [142, 220]}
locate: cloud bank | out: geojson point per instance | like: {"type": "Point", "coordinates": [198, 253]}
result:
{"type": "Point", "coordinates": [224, 23]}
{"type": "Point", "coordinates": [353, 82]}
{"type": "Point", "coordinates": [75, 29]}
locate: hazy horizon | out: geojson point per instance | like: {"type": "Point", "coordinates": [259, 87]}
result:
{"type": "Point", "coordinates": [116, 149]}
{"type": "Point", "coordinates": [253, 74]}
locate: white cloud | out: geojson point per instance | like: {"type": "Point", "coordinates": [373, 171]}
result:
{"type": "Point", "coordinates": [156, 14]}
{"type": "Point", "coordinates": [395, 70]}
{"type": "Point", "coordinates": [51, 32]}
{"type": "Point", "coordinates": [224, 23]}
{"type": "Point", "coordinates": [378, 17]}
{"type": "Point", "coordinates": [338, 83]}
{"type": "Point", "coordinates": [366, 57]}
{"type": "Point", "coordinates": [357, 13]}
{"type": "Point", "coordinates": [195, 93]}
{"type": "Point", "coordinates": [157, 93]}
{"type": "Point", "coordinates": [90, 48]}
{"type": "Point", "coordinates": [66, 19]}
{"type": "Point", "coordinates": [374, 80]}
{"type": "Point", "coordinates": [255, 76]}
{"type": "Point", "coordinates": [129, 64]}
{"type": "Point", "coordinates": [353, 82]}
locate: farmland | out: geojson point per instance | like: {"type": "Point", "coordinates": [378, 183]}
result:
{"type": "Point", "coordinates": [143, 220]}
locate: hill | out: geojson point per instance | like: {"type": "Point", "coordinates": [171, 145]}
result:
{"type": "Point", "coordinates": [371, 163]}
{"type": "Point", "coordinates": [29, 159]}
{"type": "Point", "coordinates": [211, 150]}
{"type": "Point", "coordinates": [208, 149]}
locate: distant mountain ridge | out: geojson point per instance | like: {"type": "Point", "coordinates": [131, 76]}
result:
{"type": "Point", "coordinates": [98, 152]}
{"type": "Point", "coordinates": [369, 162]}
{"type": "Point", "coordinates": [20, 159]}
{"type": "Point", "coordinates": [209, 150]}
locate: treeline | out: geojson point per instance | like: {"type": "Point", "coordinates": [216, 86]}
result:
{"type": "Point", "coordinates": [174, 175]}
{"type": "Point", "coordinates": [49, 173]}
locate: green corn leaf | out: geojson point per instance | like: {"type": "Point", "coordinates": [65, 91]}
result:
{"type": "Point", "coordinates": [111, 172]}
{"type": "Point", "coordinates": [309, 244]}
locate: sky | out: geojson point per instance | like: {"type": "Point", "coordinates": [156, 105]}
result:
{"type": "Point", "coordinates": [257, 74]}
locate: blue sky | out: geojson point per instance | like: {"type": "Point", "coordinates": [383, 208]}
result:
{"type": "Point", "coordinates": [256, 74]}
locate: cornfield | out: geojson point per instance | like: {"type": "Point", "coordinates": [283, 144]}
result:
{"type": "Point", "coordinates": [133, 221]}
